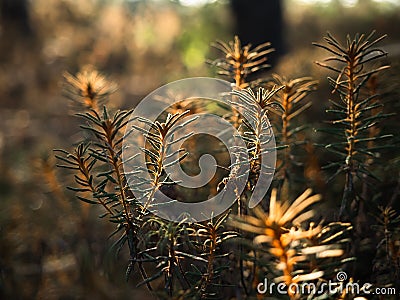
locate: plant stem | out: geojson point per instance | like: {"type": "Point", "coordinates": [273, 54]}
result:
{"type": "Point", "coordinates": [351, 132]}
{"type": "Point", "coordinates": [114, 160]}
{"type": "Point", "coordinates": [157, 176]}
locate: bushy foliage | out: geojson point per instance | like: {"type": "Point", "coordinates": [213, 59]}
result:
{"type": "Point", "coordinates": [284, 236]}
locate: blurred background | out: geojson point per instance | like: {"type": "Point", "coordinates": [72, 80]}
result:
{"type": "Point", "coordinates": [52, 246]}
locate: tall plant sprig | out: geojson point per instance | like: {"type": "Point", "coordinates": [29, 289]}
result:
{"type": "Point", "coordinates": [294, 101]}
{"type": "Point", "coordinates": [100, 177]}
{"type": "Point", "coordinates": [255, 108]}
{"type": "Point", "coordinates": [238, 64]}
{"type": "Point", "coordinates": [352, 63]}
{"type": "Point", "coordinates": [97, 161]}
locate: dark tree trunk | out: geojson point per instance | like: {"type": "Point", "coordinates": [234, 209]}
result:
{"type": "Point", "coordinates": [259, 21]}
{"type": "Point", "coordinates": [14, 16]}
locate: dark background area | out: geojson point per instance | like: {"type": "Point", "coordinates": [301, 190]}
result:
{"type": "Point", "coordinates": [52, 246]}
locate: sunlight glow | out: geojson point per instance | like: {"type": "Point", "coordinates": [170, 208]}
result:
{"type": "Point", "coordinates": [349, 3]}
{"type": "Point", "coordinates": [314, 1]}
{"type": "Point", "coordinates": [195, 2]}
